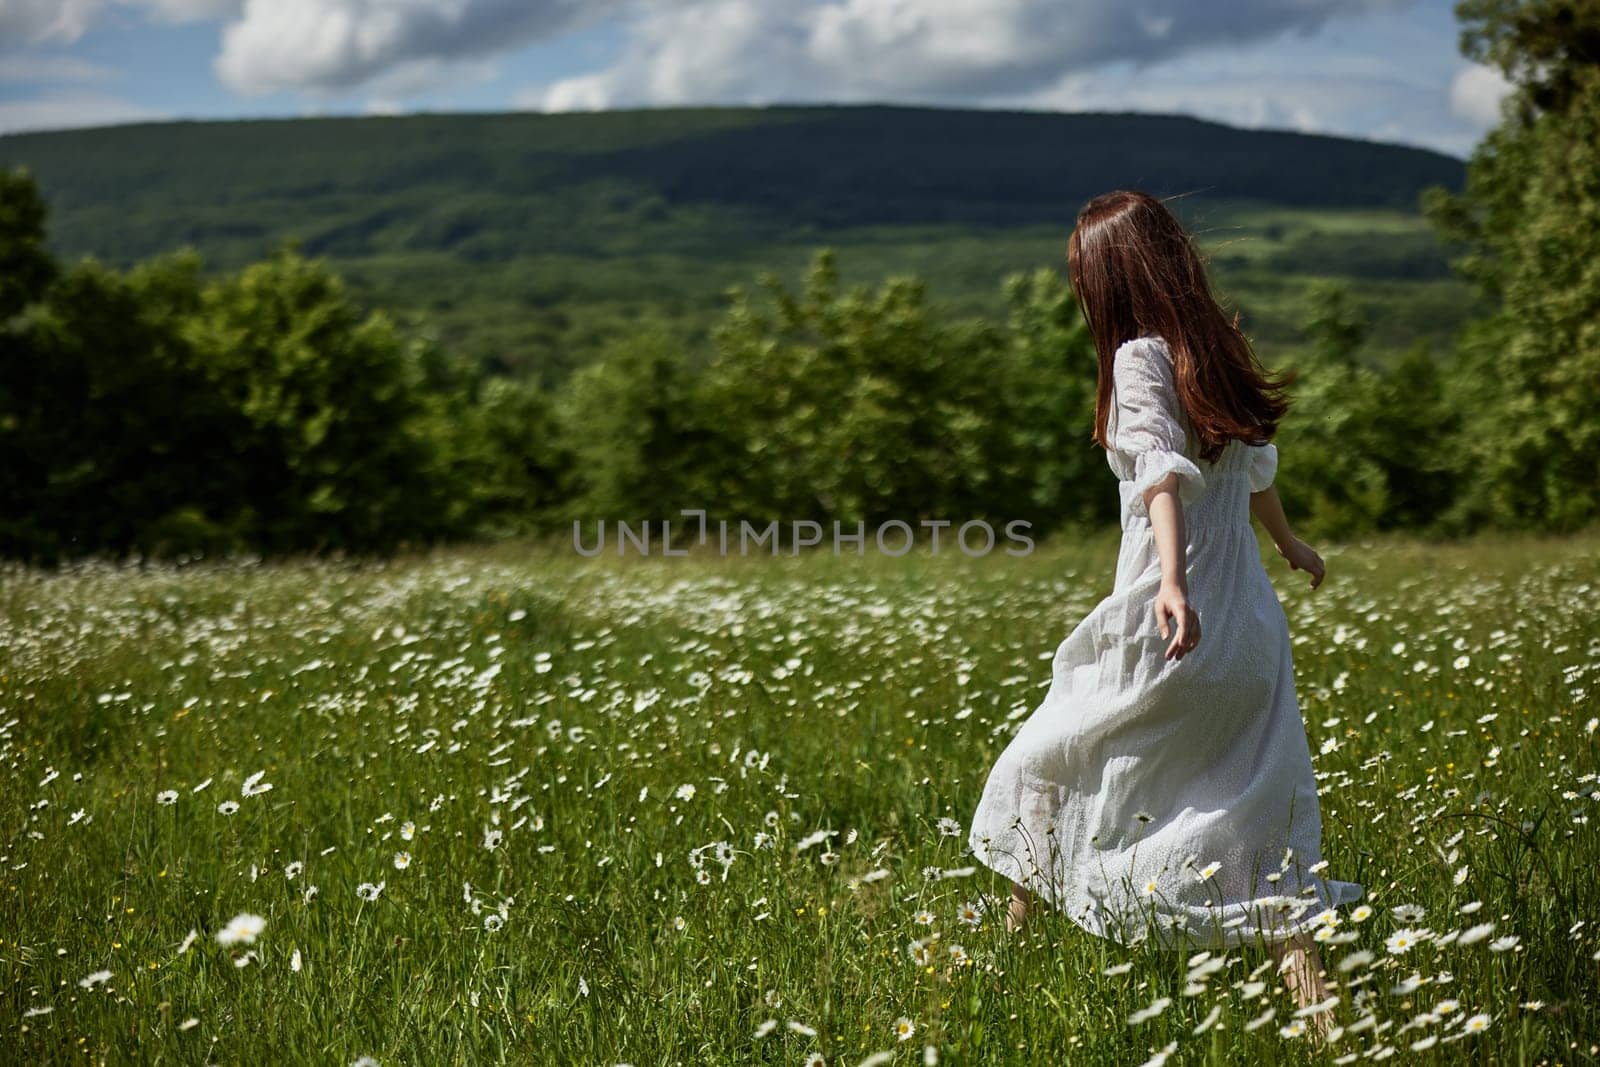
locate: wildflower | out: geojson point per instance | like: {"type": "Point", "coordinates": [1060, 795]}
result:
{"type": "Point", "coordinates": [801, 1028]}
{"type": "Point", "coordinates": [1260, 1020]}
{"type": "Point", "coordinates": [1504, 944]}
{"type": "Point", "coordinates": [90, 980]}
{"type": "Point", "coordinates": [1473, 934]}
{"type": "Point", "coordinates": [1476, 1024]}
{"type": "Point", "coordinates": [369, 891]}
{"type": "Point", "coordinates": [923, 918]}
{"type": "Point", "coordinates": [1353, 960]}
{"type": "Point", "coordinates": [765, 1028]}
{"type": "Point", "coordinates": [167, 796]}
{"type": "Point", "coordinates": [1408, 913]}
{"type": "Point", "coordinates": [228, 807]}
{"type": "Point", "coordinates": [402, 860]}
{"type": "Point", "coordinates": [492, 838]}
{"type": "Point", "coordinates": [1145, 1014]}
{"type": "Point", "coordinates": [904, 1028]}
{"type": "Point", "coordinates": [408, 830]}
{"type": "Point", "coordinates": [1402, 941]}
{"type": "Point", "coordinates": [969, 914]}
{"type": "Point", "coordinates": [295, 962]}
{"type": "Point", "coordinates": [254, 786]}
{"type": "Point", "coordinates": [492, 922]}
{"type": "Point", "coordinates": [1159, 1058]}
{"type": "Point", "coordinates": [1360, 913]}
{"type": "Point", "coordinates": [1209, 869]}
{"type": "Point", "coordinates": [242, 929]}
{"type": "Point", "coordinates": [948, 827]}
{"type": "Point", "coordinates": [292, 870]}
{"type": "Point", "coordinates": [685, 791]}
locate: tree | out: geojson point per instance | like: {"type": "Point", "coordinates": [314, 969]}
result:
{"type": "Point", "coordinates": [334, 450]}
{"type": "Point", "coordinates": [1528, 230]}
{"type": "Point", "coordinates": [26, 267]}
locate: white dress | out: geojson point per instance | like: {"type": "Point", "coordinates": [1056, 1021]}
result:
{"type": "Point", "coordinates": [1169, 799]}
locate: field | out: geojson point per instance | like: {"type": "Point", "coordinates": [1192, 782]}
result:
{"type": "Point", "coordinates": [508, 805]}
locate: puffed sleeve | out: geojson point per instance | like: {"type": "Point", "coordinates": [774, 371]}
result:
{"type": "Point", "coordinates": [1263, 466]}
{"type": "Point", "coordinates": [1148, 424]}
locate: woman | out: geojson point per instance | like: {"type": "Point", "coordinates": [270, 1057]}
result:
{"type": "Point", "coordinates": [1164, 788]}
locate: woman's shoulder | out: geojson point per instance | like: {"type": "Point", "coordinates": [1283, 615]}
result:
{"type": "Point", "coordinates": [1144, 358]}
{"type": "Point", "coordinates": [1145, 346]}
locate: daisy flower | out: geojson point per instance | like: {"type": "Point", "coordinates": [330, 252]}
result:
{"type": "Point", "coordinates": [904, 1028]}
{"type": "Point", "coordinates": [369, 891]}
{"type": "Point", "coordinates": [167, 796]}
{"type": "Point", "coordinates": [242, 929]}
{"type": "Point", "coordinates": [1402, 941]}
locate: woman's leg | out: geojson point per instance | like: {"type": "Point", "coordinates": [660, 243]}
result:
{"type": "Point", "coordinates": [1300, 964]}
{"type": "Point", "coordinates": [1020, 908]}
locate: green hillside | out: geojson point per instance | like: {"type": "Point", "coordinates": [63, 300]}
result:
{"type": "Point", "coordinates": [526, 240]}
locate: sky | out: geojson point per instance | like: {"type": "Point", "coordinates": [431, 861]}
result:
{"type": "Point", "coordinates": [1387, 70]}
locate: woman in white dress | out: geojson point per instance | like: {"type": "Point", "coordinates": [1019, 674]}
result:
{"type": "Point", "coordinates": [1163, 789]}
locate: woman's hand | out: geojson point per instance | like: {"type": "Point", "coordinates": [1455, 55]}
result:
{"type": "Point", "coordinates": [1177, 620]}
{"type": "Point", "coordinates": [1302, 557]}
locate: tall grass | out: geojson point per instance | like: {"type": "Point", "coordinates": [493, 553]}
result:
{"type": "Point", "coordinates": [690, 811]}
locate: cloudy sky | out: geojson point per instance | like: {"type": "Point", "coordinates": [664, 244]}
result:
{"type": "Point", "coordinates": [1382, 69]}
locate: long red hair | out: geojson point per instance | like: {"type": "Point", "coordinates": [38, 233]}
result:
{"type": "Point", "coordinates": [1135, 271]}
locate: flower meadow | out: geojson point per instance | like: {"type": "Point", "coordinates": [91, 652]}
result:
{"type": "Point", "coordinates": [509, 805]}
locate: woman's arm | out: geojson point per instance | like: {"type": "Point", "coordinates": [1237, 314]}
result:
{"type": "Point", "coordinates": [1268, 509]}
{"type": "Point", "coordinates": [1172, 599]}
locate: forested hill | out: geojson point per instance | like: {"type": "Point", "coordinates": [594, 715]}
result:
{"type": "Point", "coordinates": [525, 231]}
{"type": "Point", "coordinates": [484, 184]}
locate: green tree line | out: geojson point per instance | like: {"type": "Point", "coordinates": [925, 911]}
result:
{"type": "Point", "coordinates": [161, 411]}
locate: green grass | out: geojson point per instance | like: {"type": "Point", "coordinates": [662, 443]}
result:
{"type": "Point", "coordinates": [1449, 695]}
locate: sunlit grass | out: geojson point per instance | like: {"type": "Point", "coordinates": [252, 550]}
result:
{"type": "Point", "coordinates": [690, 811]}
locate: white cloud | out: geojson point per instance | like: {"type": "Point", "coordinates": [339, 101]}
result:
{"type": "Point", "coordinates": [338, 44]}
{"type": "Point", "coordinates": [36, 70]}
{"type": "Point", "coordinates": [190, 10]}
{"type": "Point", "coordinates": [67, 110]}
{"type": "Point", "coordinates": [1476, 93]}
{"type": "Point", "coordinates": [755, 51]}
{"type": "Point", "coordinates": [30, 22]}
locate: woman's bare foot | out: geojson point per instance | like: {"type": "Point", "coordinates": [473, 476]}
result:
{"type": "Point", "coordinates": [1020, 909]}
{"type": "Point", "coordinates": [1300, 964]}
